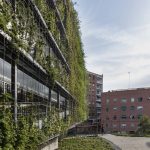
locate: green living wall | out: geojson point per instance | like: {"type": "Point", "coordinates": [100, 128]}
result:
{"type": "Point", "coordinates": [26, 34]}
{"type": "Point", "coordinates": [72, 48]}
{"type": "Point", "coordinates": [24, 29]}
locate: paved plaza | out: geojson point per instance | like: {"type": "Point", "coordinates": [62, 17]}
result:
{"type": "Point", "coordinates": [128, 143]}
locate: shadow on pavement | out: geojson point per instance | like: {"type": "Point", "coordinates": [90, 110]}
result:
{"type": "Point", "coordinates": [148, 144]}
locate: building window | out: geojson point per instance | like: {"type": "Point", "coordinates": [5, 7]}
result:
{"type": "Point", "coordinates": [107, 100]}
{"type": "Point", "coordinates": [123, 108]}
{"type": "Point", "coordinates": [148, 98]}
{"type": "Point", "coordinates": [1, 87]}
{"type": "Point", "coordinates": [140, 99]}
{"type": "Point", "coordinates": [123, 100]}
{"type": "Point", "coordinates": [123, 125]}
{"type": "Point", "coordinates": [115, 117]}
{"type": "Point", "coordinates": [139, 107]}
{"type": "Point", "coordinates": [115, 99]}
{"type": "Point", "coordinates": [132, 100]}
{"type": "Point", "coordinates": [115, 108]}
{"type": "Point", "coordinates": [123, 117]}
{"type": "Point", "coordinates": [132, 117]}
{"type": "Point", "coordinates": [98, 91]}
{"type": "Point", "coordinates": [114, 125]}
{"type": "Point", "coordinates": [139, 116]}
{"type": "Point", "coordinates": [132, 107]}
{"type": "Point", "coordinates": [107, 109]}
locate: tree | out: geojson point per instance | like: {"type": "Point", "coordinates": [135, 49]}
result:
{"type": "Point", "coordinates": [144, 126]}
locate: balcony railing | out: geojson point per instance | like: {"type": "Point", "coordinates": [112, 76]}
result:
{"type": "Point", "coordinates": [100, 82]}
{"type": "Point", "coordinates": [98, 100]}
{"type": "Point", "coordinates": [98, 105]}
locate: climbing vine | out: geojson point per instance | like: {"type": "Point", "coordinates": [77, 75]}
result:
{"type": "Point", "coordinates": [26, 34]}
{"type": "Point", "coordinates": [26, 134]}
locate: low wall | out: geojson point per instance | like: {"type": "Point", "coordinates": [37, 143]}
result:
{"type": "Point", "coordinates": [51, 144]}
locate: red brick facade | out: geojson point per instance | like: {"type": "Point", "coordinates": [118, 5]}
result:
{"type": "Point", "coordinates": [121, 110]}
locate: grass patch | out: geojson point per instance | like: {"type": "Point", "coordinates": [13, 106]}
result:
{"type": "Point", "coordinates": [84, 143]}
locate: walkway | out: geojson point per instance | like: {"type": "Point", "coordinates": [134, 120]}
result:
{"type": "Point", "coordinates": [129, 143]}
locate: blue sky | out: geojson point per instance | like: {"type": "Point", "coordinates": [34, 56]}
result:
{"type": "Point", "coordinates": [116, 38]}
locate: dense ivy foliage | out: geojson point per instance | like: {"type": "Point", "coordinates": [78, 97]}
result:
{"type": "Point", "coordinates": [26, 34]}
{"type": "Point", "coordinates": [26, 134]}
{"type": "Point", "coordinates": [76, 59]}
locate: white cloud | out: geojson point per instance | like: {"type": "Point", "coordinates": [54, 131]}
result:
{"type": "Point", "coordinates": [125, 51]}
{"type": "Point", "coordinates": [119, 43]}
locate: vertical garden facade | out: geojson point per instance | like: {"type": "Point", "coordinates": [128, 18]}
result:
{"type": "Point", "coordinates": [41, 60]}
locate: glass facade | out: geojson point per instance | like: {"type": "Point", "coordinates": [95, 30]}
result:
{"type": "Point", "coordinates": [32, 96]}
{"type": "Point", "coordinates": [5, 76]}
{"type": "Point", "coordinates": [27, 83]}
{"type": "Point", "coordinates": [5, 70]}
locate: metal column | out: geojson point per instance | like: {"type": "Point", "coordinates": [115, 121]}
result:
{"type": "Point", "coordinates": [14, 87]}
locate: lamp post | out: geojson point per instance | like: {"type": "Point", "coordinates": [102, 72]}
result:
{"type": "Point", "coordinates": [129, 80]}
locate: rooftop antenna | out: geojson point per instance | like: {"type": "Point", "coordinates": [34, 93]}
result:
{"type": "Point", "coordinates": [129, 80]}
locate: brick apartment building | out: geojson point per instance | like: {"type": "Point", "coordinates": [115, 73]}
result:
{"type": "Point", "coordinates": [122, 109]}
{"type": "Point", "coordinates": [95, 89]}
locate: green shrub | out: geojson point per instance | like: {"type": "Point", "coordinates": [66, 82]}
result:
{"type": "Point", "coordinates": [84, 143]}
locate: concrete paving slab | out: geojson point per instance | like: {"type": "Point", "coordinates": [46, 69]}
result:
{"type": "Point", "coordinates": [128, 143]}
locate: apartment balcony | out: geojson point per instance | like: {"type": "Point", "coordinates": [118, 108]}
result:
{"type": "Point", "coordinates": [98, 105]}
{"type": "Point", "coordinates": [100, 82]}
{"type": "Point", "coordinates": [98, 100]}
{"type": "Point", "coordinates": [98, 112]}
{"type": "Point", "coordinates": [98, 94]}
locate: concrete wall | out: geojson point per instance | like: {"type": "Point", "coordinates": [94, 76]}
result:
{"type": "Point", "coordinates": [52, 144]}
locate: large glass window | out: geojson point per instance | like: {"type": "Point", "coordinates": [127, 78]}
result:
{"type": "Point", "coordinates": [5, 77]}
{"type": "Point", "coordinates": [1, 87]}
{"type": "Point", "coordinates": [5, 70]}
{"type": "Point", "coordinates": [28, 83]}
{"type": "Point", "coordinates": [53, 96]}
